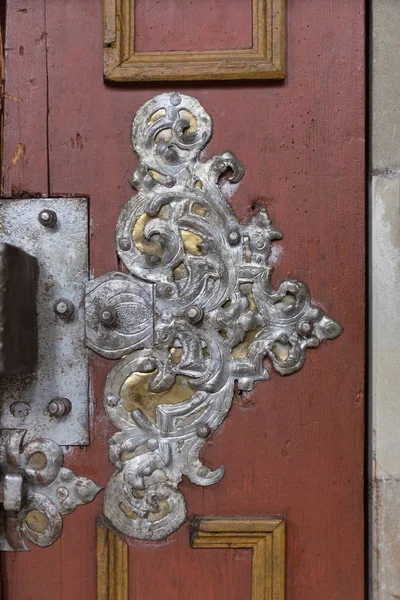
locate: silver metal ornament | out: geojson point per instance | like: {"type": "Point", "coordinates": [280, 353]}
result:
{"type": "Point", "coordinates": [195, 313]}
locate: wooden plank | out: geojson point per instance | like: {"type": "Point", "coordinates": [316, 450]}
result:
{"type": "Point", "coordinates": [24, 167]}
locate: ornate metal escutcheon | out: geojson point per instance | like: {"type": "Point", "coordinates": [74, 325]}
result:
{"type": "Point", "coordinates": [43, 271]}
{"type": "Point", "coordinates": [194, 314]}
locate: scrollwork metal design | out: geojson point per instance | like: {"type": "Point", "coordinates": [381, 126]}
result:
{"type": "Point", "coordinates": [36, 491]}
{"type": "Point", "coordinates": [195, 313]}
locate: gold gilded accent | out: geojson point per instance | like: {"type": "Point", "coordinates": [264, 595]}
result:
{"type": "Point", "coordinates": [141, 244]}
{"type": "Point", "coordinates": [190, 241]}
{"type": "Point", "coordinates": [136, 395]}
{"type": "Point", "coordinates": [112, 563]}
{"type": "Point", "coordinates": [280, 350]}
{"type": "Point", "coordinates": [265, 537]}
{"type": "Point", "coordinates": [127, 511]}
{"type": "Point", "coordinates": [37, 521]}
{"type": "Point", "coordinates": [185, 114]}
{"type": "Point", "coordinates": [198, 209]}
{"type": "Point", "coordinates": [198, 184]}
{"type": "Point", "coordinates": [159, 114]}
{"type": "Point", "coordinates": [240, 351]}
{"type": "Point", "coordinates": [180, 272]}
{"type": "Point", "coordinates": [163, 512]}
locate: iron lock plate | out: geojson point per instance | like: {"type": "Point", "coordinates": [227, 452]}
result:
{"type": "Point", "coordinates": [62, 368]}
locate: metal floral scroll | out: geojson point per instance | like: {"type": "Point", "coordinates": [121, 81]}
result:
{"type": "Point", "coordinates": [194, 313]}
{"type": "Point", "coordinates": [36, 491]}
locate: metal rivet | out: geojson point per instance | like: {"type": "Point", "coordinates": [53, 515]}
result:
{"type": "Point", "coordinates": [125, 244]}
{"type": "Point", "coordinates": [175, 99]}
{"type": "Point", "coordinates": [48, 218]}
{"type": "Point", "coordinates": [233, 237]}
{"type": "Point", "coordinates": [62, 493]}
{"type": "Point", "coordinates": [152, 444]}
{"type": "Point", "coordinates": [203, 430]}
{"type": "Point", "coordinates": [112, 400]}
{"type": "Point", "coordinates": [63, 308]}
{"type": "Point", "coordinates": [59, 407]}
{"type": "Point", "coordinates": [194, 313]}
{"type": "Point", "coordinates": [305, 327]}
{"type": "Point", "coordinates": [108, 315]}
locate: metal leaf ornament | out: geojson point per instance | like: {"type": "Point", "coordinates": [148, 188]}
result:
{"type": "Point", "coordinates": [195, 313]}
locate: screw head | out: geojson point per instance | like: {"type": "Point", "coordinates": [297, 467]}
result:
{"type": "Point", "coordinates": [152, 444]}
{"type": "Point", "coordinates": [203, 430]}
{"type": "Point", "coordinates": [63, 308]}
{"type": "Point", "coordinates": [112, 400]}
{"type": "Point", "coordinates": [175, 99]}
{"type": "Point", "coordinates": [194, 313]}
{"type": "Point", "coordinates": [108, 315]}
{"type": "Point", "coordinates": [47, 218]}
{"type": "Point", "coordinates": [125, 244]}
{"type": "Point", "coordinates": [233, 237]}
{"type": "Point", "coordinates": [305, 327]}
{"type": "Point", "coordinates": [62, 493]}
{"type": "Point", "coordinates": [59, 407]}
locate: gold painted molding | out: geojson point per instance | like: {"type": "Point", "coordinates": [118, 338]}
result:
{"type": "Point", "coordinates": [112, 563]}
{"type": "Point", "coordinates": [265, 60]}
{"type": "Point", "coordinates": [264, 536]}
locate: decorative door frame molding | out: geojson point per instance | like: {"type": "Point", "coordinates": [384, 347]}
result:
{"type": "Point", "coordinates": [265, 60]}
{"type": "Point", "coordinates": [265, 536]}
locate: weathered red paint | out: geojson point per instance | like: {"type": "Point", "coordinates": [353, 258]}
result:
{"type": "Point", "coordinates": [295, 446]}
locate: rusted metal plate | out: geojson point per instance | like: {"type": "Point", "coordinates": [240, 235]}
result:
{"type": "Point", "coordinates": [18, 315]}
{"type": "Point", "coordinates": [61, 249]}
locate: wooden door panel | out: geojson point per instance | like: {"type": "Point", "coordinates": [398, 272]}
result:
{"type": "Point", "coordinates": [295, 445]}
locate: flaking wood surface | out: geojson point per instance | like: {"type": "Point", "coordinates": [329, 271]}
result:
{"type": "Point", "coordinates": [295, 445]}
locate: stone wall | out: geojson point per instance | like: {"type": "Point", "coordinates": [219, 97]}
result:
{"type": "Point", "coordinates": [384, 295]}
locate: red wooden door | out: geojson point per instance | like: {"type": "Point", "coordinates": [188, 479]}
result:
{"type": "Point", "coordinates": [294, 446]}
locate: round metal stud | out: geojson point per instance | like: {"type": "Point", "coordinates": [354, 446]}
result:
{"type": "Point", "coordinates": [125, 244]}
{"type": "Point", "coordinates": [233, 237]}
{"type": "Point", "coordinates": [108, 315]}
{"type": "Point", "coordinates": [112, 400]}
{"type": "Point", "coordinates": [63, 308]}
{"type": "Point", "coordinates": [305, 327]}
{"type": "Point", "coordinates": [47, 218]}
{"type": "Point", "coordinates": [152, 444]}
{"type": "Point", "coordinates": [59, 407]}
{"type": "Point", "coordinates": [203, 430]}
{"type": "Point", "coordinates": [194, 313]}
{"type": "Point", "coordinates": [175, 99]}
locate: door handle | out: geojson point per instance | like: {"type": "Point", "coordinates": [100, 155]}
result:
{"type": "Point", "coordinates": [194, 315]}
{"type": "Point", "coordinates": [43, 271]}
